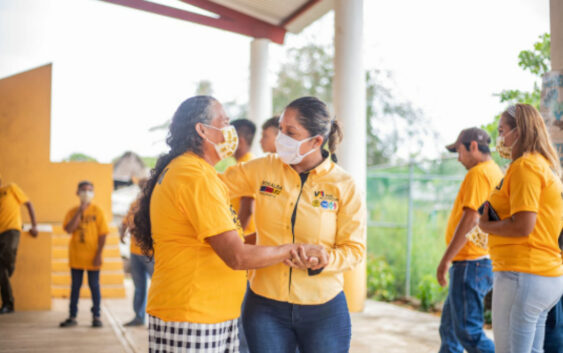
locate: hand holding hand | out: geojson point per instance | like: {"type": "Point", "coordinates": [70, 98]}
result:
{"type": "Point", "coordinates": [308, 256]}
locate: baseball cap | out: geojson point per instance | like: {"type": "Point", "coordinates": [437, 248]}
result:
{"type": "Point", "coordinates": [468, 135]}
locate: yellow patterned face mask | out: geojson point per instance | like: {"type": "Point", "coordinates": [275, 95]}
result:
{"type": "Point", "coordinates": [478, 237]}
{"type": "Point", "coordinates": [228, 147]}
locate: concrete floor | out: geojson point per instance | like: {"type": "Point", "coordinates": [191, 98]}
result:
{"type": "Point", "coordinates": [382, 327]}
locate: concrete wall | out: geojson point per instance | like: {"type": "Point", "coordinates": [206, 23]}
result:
{"type": "Point", "coordinates": [25, 133]}
{"type": "Point", "coordinates": [25, 126]}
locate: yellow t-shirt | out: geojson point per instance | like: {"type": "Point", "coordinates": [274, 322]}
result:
{"type": "Point", "coordinates": [128, 222]}
{"type": "Point", "coordinates": [11, 199]}
{"type": "Point", "coordinates": [84, 241]}
{"type": "Point", "coordinates": [474, 190]}
{"type": "Point", "coordinates": [190, 282]}
{"type": "Point", "coordinates": [529, 185]}
{"type": "Point", "coordinates": [235, 201]}
{"type": "Point", "coordinates": [330, 212]}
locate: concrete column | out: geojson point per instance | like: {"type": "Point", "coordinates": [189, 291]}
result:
{"type": "Point", "coordinates": [260, 95]}
{"type": "Point", "coordinates": [349, 97]}
{"type": "Point", "coordinates": [552, 82]}
{"type": "Point", "coordinates": [556, 21]}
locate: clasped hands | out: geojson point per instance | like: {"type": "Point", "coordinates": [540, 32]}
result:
{"type": "Point", "coordinates": [307, 256]}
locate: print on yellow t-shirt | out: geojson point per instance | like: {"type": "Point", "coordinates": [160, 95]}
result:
{"type": "Point", "coordinates": [84, 240]}
{"type": "Point", "coordinates": [529, 185]}
{"type": "Point", "coordinates": [474, 190]}
{"type": "Point", "coordinates": [190, 282]}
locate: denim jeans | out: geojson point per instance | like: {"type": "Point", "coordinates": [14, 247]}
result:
{"type": "Point", "coordinates": [462, 319]}
{"type": "Point", "coordinates": [93, 283]}
{"type": "Point", "coordinates": [141, 271]}
{"type": "Point", "coordinates": [521, 302]}
{"type": "Point", "coordinates": [553, 342]}
{"type": "Point", "coordinates": [280, 327]}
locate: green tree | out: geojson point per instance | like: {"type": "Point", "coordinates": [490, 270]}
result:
{"type": "Point", "coordinates": [204, 88]}
{"type": "Point", "coordinates": [79, 157]}
{"type": "Point", "coordinates": [309, 71]}
{"type": "Point", "coordinates": [536, 61]}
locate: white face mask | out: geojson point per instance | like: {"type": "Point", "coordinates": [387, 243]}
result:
{"type": "Point", "coordinates": [86, 196]}
{"type": "Point", "coordinates": [288, 149]}
{"type": "Point", "coordinates": [228, 147]}
{"type": "Point", "coordinates": [505, 151]}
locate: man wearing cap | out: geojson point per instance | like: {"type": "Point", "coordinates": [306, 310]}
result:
{"type": "Point", "coordinates": [11, 200]}
{"type": "Point", "coordinates": [470, 268]}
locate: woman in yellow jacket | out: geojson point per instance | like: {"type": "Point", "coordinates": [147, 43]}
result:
{"type": "Point", "coordinates": [185, 217]}
{"type": "Point", "coordinates": [301, 196]}
{"type": "Point", "coordinates": [528, 278]}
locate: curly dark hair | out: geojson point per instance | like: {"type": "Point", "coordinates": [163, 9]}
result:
{"type": "Point", "coordinates": [182, 137]}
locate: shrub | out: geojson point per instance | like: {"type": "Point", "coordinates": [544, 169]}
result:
{"type": "Point", "coordinates": [430, 292]}
{"type": "Point", "coordinates": [380, 279]}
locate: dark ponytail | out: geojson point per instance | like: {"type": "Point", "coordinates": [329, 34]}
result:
{"type": "Point", "coordinates": [182, 137]}
{"type": "Point", "coordinates": [335, 136]}
{"type": "Point", "coordinates": [315, 118]}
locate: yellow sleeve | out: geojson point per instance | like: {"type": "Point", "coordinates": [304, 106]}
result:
{"type": "Point", "coordinates": [205, 203]}
{"type": "Point", "coordinates": [20, 196]}
{"type": "Point", "coordinates": [350, 245]}
{"type": "Point", "coordinates": [101, 223]}
{"type": "Point", "coordinates": [476, 190]}
{"type": "Point", "coordinates": [241, 178]}
{"type": "Point", "coordinates": [525, 190]}
{"type": "Point", "coordinates": [68, 217]}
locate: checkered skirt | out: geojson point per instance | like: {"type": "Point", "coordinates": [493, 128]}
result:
{"type": "Point", "coordinates": [187, 337]}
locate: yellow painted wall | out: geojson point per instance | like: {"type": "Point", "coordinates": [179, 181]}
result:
{"type": "Point", "coordinates": [25, 133]}
{"type": "Point", "coordinates": [31, 281]}
{"type": "Point", "coordinates": [25, 129]}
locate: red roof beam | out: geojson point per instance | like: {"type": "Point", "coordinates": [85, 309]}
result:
{"type": "Point", "coordinates": [229, 20]}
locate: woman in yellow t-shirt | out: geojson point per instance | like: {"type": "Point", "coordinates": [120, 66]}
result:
{"type": "Point", "coordinates": [185, 217]}
{"type": "Point", "coordinates": [528, 278]}
{"type": "Point", "coordinates": [301, 196]}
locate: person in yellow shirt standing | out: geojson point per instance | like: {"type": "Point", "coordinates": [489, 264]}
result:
{"type": "Point", "coordinates": [244, 206]}
{"type": "Point", "coordinates": [270, 130]}
{"type": "Point", "coordinates": [302, 196]}
{"type": "Point", "coordinates": [186, 218]}
{"type": "Point", "coordinates": [528, 271]}
{"type": "Point", "coordinates": [470, 269]}
{"type": "Point", "coordinates": [88, 227]}
{"type": "Point", "coordinates": [141, 267]}
{"type": "Point", "coordinates": [11, 199]}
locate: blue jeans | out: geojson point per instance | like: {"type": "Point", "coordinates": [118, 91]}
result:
{"type": "Point", "coordinates": [521, 302]}
{"type": "Point", "coordinates": [553, 342]}
{"type": "Point", "coordinates": [280, 327]}
{"type": "Point", "coordinates": [461, 325]}
{"type": "Point", "coordinates": [141, 271]}
{"type": "Point", "coordinates": [93, 283]}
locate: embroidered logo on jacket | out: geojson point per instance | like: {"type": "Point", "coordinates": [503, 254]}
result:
{"type": "Point", "coordinates": [325, 201]}
{"type": "Point", "coordinates": [270, 189]}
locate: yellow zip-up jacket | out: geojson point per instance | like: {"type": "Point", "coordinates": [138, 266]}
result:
{"type": "Point", "coordinates": [329, 210]}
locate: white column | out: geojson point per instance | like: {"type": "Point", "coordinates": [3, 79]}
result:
{"type": "Point", "coordinates": [349, 93]}
{"type": "Point", "coordinates": [349, 98]}
{"type": "Point", "coordinates": [260, 95]}
{"type": "Point", "coordinates": [556, 24]}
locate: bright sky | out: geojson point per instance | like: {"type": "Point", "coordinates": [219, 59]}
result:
{"type": "Point", "coordinates": [117, 71]}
